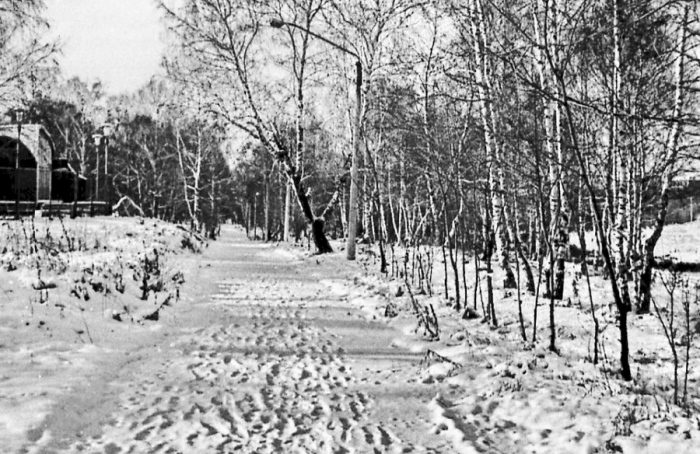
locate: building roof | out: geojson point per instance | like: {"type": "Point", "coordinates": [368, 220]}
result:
{"type": "Point", "coordinates": [32, 135]}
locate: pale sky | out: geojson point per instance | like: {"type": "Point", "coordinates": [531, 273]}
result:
{"type": "Point", "coordinates": [115, 41]}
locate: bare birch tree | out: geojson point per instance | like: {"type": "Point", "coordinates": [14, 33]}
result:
{"type": "Point", "coordinates": [228, 42]}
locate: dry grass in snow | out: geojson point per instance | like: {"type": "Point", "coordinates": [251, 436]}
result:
{"type": "Point", "coordinates": [73, 291]}
{"type": "Point", "coordinates": [517, 396]}
{"type": "Point", "coordinates": [70, 289]}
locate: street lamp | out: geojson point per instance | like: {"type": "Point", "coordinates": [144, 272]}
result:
{"type": "Point", "coordinates": [107, 129]}
{"type": "Point", "coordinates": [98, 140]}
{"type": "Point", "coordinates": [287, 209]}
{"type": "Point", "coordinates": [19, 116]}
{"type": "Point", "coordinates": [255, 214]}
{"type": "Point", "coordinates": [352, 211]}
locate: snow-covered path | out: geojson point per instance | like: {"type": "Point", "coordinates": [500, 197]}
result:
{"type": "Point", "coordinates": [270, 361]}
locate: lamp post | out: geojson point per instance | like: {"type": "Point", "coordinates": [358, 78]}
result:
{"type": "Point", "coordinates": [287, 209]}
{"type": "Point", "coordinates": [107, 129]}
{"type": "Point", "coordinates": [98, 140]}
{"type": "Point", "coordinates": [255, 215]}
{"type": "Point", "coordinates": [352, 210]}
{"type": "Point", "coordinates": [74, 209]}
{"type": "Point", "coordinates": [19, 116]}
{"type": "Point", "coordinates": [76, 180]}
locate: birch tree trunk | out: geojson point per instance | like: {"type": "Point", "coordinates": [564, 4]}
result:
{"type": "Point", "coordinates": [620, 229]}
{"type": "Point", "coordinates": [546, 55]}
{"type": "Point", "coordinates": [671, 153]}
{"type": "Point", "coordinates": [213, 203]}
{"type": "Point", "coordinates": [603, 240]}
{"type": "Point", "coordinates": [190, 167]}
{"type": "Point", "coordinates": [495, 173]}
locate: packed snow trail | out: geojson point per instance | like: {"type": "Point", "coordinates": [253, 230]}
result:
{"type": "Point", "coordinates": [271, 361]}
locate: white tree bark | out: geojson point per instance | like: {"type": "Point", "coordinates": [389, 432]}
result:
{"type": "Point", "coordinates": [496, 220]}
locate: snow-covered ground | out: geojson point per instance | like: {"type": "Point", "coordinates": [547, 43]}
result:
{"type": "Point", "coordinates": [520, 397]}
{"type": "Point", "coordinates": [267, 348]}
{"type": "Point", "coordinates": [63, 288]}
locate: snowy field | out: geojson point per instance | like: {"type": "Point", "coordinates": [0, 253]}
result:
{"type": "Point", "coordinates": [251, 347]}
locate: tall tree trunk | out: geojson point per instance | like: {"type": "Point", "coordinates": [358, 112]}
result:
{"type": "Point", "coordinates": [645, 278]}
{"type": "Point", "coordinates": [495, 173]}
{"type": "Point", "coordinates": [514, 233]}
{"type": "Point", "coordinates": [266, 233]}
{"type": "Point", "coordinates": [620, 230]}
{"type": "Point", "coordinates": [603, 241]}
{"type": "Point", "coordinates": [190, 167]}
{"type": "Point", "coordinates": [546, 64]}
{"type": "Point", "coordinates": [317, 224]}
{"type": "Point", "coordinates": [214, 224]}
